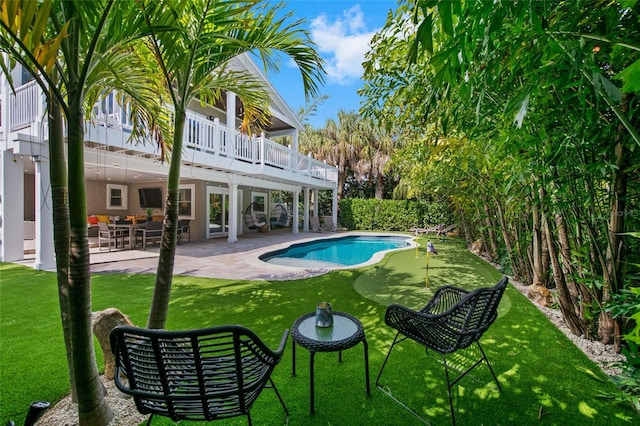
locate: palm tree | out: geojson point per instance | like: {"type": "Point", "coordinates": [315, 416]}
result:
{"type": "Point", "coordinates": [62, 44]}
{"type": "Point", "coordinates": [374, 156]}
{"type": "Point", "coordinates": [343, 139]}
{"type": "Point", "coordinates": [197, 40]}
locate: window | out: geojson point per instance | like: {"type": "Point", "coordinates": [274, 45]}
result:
{"type": "Point", "coordinates": [116, 197]}
{"type": "Point", "coordinates": [186, 201]}
{"type": "Point", "coordinates": [260, 199]}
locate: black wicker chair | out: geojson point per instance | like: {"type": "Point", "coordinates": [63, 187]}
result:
{"type": "Point", "coordinates": [454, 319]}
{"type": "Point", "coordinates": [204, 374]}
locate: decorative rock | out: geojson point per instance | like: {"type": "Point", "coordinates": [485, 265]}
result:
{"type": "Point", "coordinates": [103, 323]}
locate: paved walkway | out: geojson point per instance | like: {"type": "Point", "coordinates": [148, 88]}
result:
{"type": "Point", "coordinates": [215, 258]}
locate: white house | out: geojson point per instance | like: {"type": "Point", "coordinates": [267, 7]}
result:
{"type": "Point", "coordinates": [223, 170]}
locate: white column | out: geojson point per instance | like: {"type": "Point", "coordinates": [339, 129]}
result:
{"type": "Point", "coordinates": [233, 213]}
{"type": "Point", "coordinates": [45, 253]}
{"type": "Point", "coordinates": [12, 207]}
{"type": "Point", "coordinates": [334, 206]}
{"type": "Point", "coordinates": [315, 200]}
{"type": "Point", "coordinates": [295, 140]}
{"type": "Point", "coordinates": [296, 200]}
{"type": "Point", "coordinates": [231, 110]}
{"type": "Point", "coordinates": [305, 226]}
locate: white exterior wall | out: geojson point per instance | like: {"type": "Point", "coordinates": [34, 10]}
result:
{"type": "Point", "coordinates": [12, 206]}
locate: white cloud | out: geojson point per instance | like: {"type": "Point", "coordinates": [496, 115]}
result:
{"type": "Point", "coordinates": [342, 44]}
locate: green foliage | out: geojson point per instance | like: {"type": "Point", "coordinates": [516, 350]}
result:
{"type": "Point", "coordinates": [626, 305]}
{"type": "Point", "coordinates": [359, 148]}
{"type": "Point", "coordinates": [628, 381]}
{"type": "Point", "coordinates": [392, 215]}
{"type": "Point", "coordinates": [517, 109]}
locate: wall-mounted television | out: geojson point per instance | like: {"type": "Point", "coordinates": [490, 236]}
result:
{"type": "Point", "coordinates": [150, 198]}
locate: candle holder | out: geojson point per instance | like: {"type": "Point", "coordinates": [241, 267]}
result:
{"type": "Point", "coordinates": [324, 315]}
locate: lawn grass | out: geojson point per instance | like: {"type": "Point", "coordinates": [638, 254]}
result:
{"type": "Point", "coordinates": [540, 370]}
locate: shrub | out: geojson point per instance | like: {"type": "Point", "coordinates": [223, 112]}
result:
{"type": "Point", "coordinates": [391, 215]}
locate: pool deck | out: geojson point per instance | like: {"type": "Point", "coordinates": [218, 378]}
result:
{"type": "Point", "coordinates": [216, 258]}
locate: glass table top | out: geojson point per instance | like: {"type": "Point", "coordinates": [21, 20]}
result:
{"type": "Point", "coordinates": [343, 328]}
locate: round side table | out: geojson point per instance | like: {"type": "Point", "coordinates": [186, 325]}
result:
{"type": "Point", "coordinates": [346, 332]}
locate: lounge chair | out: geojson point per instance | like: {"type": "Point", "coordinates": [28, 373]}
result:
{"type": "Point", "coordinates": [327, 224]}
{"type": "Point", "coordinates": [435, 230]}
{"type": "Point", "coordinates": [330, 226]}
{"type": "Point", "coordinates": [314, 222]}
{"type": "Point", "coordinates": [430, 230]}
{"type": "Point", "coordinates": [444, 231]}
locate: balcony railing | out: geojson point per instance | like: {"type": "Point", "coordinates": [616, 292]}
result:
{"type": "Point", "coordinates": [27, 106]}
{"type": "Point", "coordinates": [207, 142]}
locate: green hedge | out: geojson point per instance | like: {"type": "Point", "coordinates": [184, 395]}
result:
{"type": "Point", "coordinates": [391, 215]}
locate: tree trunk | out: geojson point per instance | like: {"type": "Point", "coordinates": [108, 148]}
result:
{"type": "Point", "coordinates": [380, 186]}
{"type": "Point", "coordinates": [609, 327]}
{"type": "Point", "coordinates": [507, 242]}
{"type": "Point", "coordinates": [544, 246]}
{"type": "Point", "coordinates": [61, 226]}
{"type": "Point", "coordinates": [342, 176]}
{"type": "Point", "coordinates": [536, 245]}
{"type": "Point", "coordinates": [565, 256]}
{"type": "Point", "coordinates": [493, 245]}
{"type": "Point", "coordinates": [482, 237]}
{"type": "Point", "coordinates": [545, 259]}
{"type": "Point", "coordinates": [164, 274]}
{"type": "Point", "coordinates": [92, 406]}
{"type": "Point", "coordinates": [580, 295]}
{"type": "Point", "coordinates": [465, 226]}
{"type": "Point", "coordinates": [564, 297]}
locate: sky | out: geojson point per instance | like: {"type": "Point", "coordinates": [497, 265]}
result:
{"type": "Point", "coordinates": [342, 31]}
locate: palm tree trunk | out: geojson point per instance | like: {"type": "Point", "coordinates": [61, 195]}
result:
{"type": "Point", "coordinates": [380, 185]}
{"type": "Point", "coordinates": [61, 226]}
{"type": "Point", "coordinates": [164, 274]}
{"type": "Point", "coordinates": [342, 177]}
{"type": "Point", "coordinates": [92, 406]}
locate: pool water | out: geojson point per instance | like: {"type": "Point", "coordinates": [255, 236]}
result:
{"type": "Point", "coordinates": [344, 251]}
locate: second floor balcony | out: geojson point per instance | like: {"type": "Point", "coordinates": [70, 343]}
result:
{"type": "Point", "coordinates": [208, 143]}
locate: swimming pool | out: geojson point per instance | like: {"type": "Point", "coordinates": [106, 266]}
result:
{"type": "Point", "coordinates": [335, 252]}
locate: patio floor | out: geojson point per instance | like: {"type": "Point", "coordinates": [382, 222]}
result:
{"type": "Point", "coordinates": [213, 258]}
